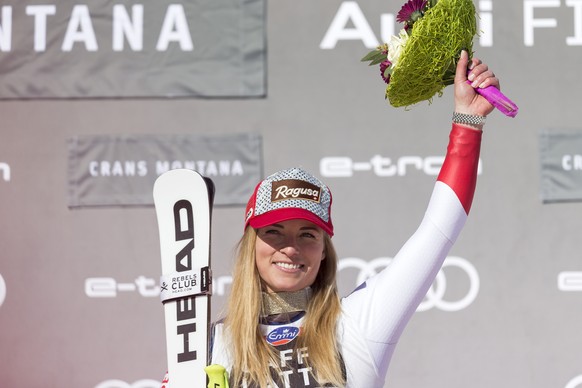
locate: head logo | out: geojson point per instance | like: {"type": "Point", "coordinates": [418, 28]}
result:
{"type": "Point", "coordinates": [2, 290]}
{"type": "Point", "coordinates": [435, 297]}
{"type": "Point", "coordinates": [282, 335]}
{"type": "Point", "coordinates": [184, 228]}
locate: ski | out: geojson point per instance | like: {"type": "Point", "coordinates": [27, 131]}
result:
{"type": "Point", "coordinates": [183, 203]}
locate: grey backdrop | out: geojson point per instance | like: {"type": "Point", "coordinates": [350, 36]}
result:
{"type": "Point", "coordinates": [521, 328]}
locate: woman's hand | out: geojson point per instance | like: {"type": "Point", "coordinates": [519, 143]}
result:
{"type": "Point", "coordinates": [467, 100]}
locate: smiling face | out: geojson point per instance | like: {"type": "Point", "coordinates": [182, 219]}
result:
{"type": "Point", "coordinates": [289, 254]}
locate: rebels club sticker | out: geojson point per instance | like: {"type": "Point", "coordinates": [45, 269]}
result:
{"type": "Point", "coordinates": [282, 335]}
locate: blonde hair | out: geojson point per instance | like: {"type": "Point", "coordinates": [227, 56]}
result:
{"type": "Point", "coordinates": [251, 354]}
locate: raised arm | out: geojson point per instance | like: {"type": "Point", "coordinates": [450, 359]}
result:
{"type": "Point", "coordinates": [380, 308]}
{"type": "Point", "coordinates": [460, 167]}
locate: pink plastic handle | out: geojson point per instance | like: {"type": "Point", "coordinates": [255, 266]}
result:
{"type": "Point", "coordinates": [498, 100]}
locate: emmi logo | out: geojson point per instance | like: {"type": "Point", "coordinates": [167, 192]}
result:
{"type": "Point", "coordinates": [185, 307]}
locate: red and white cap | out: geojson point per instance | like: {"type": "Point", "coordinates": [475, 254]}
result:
{"type": "Point", "coordinates": [287, 195]}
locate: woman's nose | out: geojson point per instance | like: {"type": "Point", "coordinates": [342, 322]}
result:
{"type": "Point", "coordinates": [290, 247]}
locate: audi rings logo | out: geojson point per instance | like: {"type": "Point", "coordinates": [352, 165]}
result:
{"type": "Point", "coordinates": [576, 382]}
{"type": "Point", "coordinates": [145, 383]}
{"type": "Point", "coordinates": [435, 297]}
{"type": "Point", "coordinates": [2, 290]}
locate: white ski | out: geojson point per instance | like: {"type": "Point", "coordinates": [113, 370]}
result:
{"type": "Point", "coordinates": [183, 202]}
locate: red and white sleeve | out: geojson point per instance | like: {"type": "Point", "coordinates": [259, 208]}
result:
{"type": "Point", "coordinates": [459, 170]}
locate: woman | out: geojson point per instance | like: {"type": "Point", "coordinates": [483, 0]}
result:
{"type": "Point", "coordinates": [286, 325]}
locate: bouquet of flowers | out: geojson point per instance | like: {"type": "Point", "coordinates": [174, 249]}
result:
{"type": "Point", "coordinates": [421, 60]}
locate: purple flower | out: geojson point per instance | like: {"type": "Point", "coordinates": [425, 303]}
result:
{"type": "Point", "coordinates": [411, 11]}
{"type": "Point", "coordinates": [383, 66]}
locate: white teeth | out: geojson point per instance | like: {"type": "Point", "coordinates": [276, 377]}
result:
{"type": "Point", "coordinates": [289, 266]}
